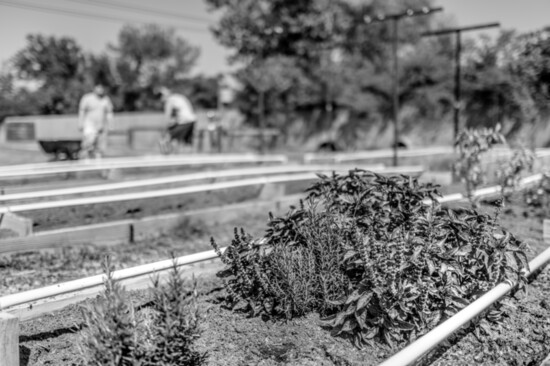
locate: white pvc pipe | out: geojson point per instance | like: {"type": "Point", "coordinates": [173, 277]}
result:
{"type": "Point", "coordinates": [426, 343]}
{"type": "Point", "coordinates": [156, 193]}
{"type": "Point", "coordinates": [376, 154]}
{"type": "Point", "coordinates": [92, 165]}
{"type": "Point", "coordinates": [135, 160]}
{"type": "Point", "coordinates": [164, 192]}
{"type": "Point", "coordinates": [387, 153]}
{"type": "Point", "coordinates": [176, 179]}
{"type": "Point", "coordinates": [454, 197]}
{"type": "Point", "coordinates": [93, 281]}
{"type": "Point", "coordinates": [443, 150]}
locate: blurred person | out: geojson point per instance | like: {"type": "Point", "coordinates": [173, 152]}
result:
{"type": "Point", "coordinates": [181, 117]}
{"type": "Point", "coordinates": [95, 114]}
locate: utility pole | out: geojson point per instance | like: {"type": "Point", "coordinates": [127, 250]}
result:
{"type": "Point", "coordinates": [394, 18]}
{"type": "Point", "coordinates": [458, 49]}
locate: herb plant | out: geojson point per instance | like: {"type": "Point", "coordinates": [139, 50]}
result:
{"type": "Point", "coordinates": [471, 145]}
{"type": "Point", "coordinates": [110, 337]}
{"type": "Point", "coordinates": [115, 334]}
{"type": "Point", "coordinates": [370, 255]}
{"type": "Point", "coordinates": [510, 172]}
{"type": "Point", "coordinates": [175, 325]}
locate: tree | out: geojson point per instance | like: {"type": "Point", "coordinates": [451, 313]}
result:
{"type": "Point", "coordinates": [495, 89]}
{"type": "Point", "coordinates": [57, 66]}
{"type": "Point", "coordinates": [315, 59]}
{"type": "Point", "coordinates": [149, 56]}
{"type": "Point", "coordinates": [49, 59]}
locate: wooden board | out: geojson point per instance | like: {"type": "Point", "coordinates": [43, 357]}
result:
{"type": "Point", "coordinates": [546, 231]}
{"type": "Point", "coordinates": [152, 226]}
{"type": "Point", "coordinates": [125, 231]}
{"type": "Point", "coordinates": [9, 340]}
{"type": "Point", "coordinates": [22, 226]}
{"type": "Point", "coordinates": [108, 233]}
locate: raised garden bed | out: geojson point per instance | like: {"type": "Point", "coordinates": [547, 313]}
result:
{"type": "Point", "coordinates": [232, 338]}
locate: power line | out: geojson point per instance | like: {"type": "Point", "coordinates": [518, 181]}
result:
{"type": "Point", "coordinates": [141, 9]}
{"type": "Point", "coordinates": [82, 14]}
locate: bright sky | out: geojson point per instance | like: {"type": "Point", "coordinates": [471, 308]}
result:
{"type": "Point", "coordinates": [94, 34]}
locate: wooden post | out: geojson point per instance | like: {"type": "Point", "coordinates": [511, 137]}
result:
{"type": "Point", "coordinates": [20, 225]}
{"type": "Point", "coordinates": [9, 340]}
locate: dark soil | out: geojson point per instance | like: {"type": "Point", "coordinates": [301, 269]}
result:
{"type": "Point", "coordinates": [29, 270]}
{"type": "Point", "coordinates": [98, 213]}
{"type": "Point", "coordinates": [229, 338]}
{"type": "Point", "coordinates": [106, 212]}
{"type": "Point", "coordinates": [521, 338]}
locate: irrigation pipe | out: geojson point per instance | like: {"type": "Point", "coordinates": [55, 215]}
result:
{"type": "Point", "coordinates": [156, 193]}
{"type": "Point", "coordinates": [148, 159]}
{"type": "Point", "coordinates": [176, 179]}
{"type": "Point", "coordinates": [377, 154]}
{"type": "Point", "coordinates": [482, 192]}
{"type": "Point", "coordinates": [165, 192]}
{"type": "Point", "coordinates": [429, 341]}
{"type": "Point", "coordinates": [30, 296]}
{"type": "Point", "coordinates": [23, 171]}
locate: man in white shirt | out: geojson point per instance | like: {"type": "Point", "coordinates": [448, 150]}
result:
{"type": "Point", "coordinates": [179, 112]}
{"type": "Point", "coordinates": [94, 117]}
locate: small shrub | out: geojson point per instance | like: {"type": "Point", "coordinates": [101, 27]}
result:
{"type": "Point", "coordinates": [510, 173]}
{"type": "Point", "coordinates": [115, 335]}
{"type": "Point", "coordinates": [471, 145]}
{"type": "Point", "coordinates": [376, 259]}
{"type": "Point", "coordinates": [110, 336]}
{"type": "Point", "coordinates": [299, 274]}
{"type": "Point", "coordinates": [175, 325]}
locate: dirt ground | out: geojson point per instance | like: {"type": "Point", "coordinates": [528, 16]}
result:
{"type": "Point", "coordinates": [28, 270]}
{"type": "Point", "coordinates": [228, 338]}
{"type": "Point", "coordinates": [521, 338]}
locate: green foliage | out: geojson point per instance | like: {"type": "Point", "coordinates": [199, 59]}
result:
{"type": "Point", "coordinates": [49, 59]}
{"type": "Point", "coordinates": [299, 274]}
{"type": "Point", "coordinates": [59, 72]}
{"type": "Point", "coordinates": [395, 261]}
{"type": "Point", "coordinates": [110, 336]}
{"type": "Point", "coordinates": [471, 145]}
{"type": "Point", "coordinates": [538, 198]}
{"type": "Point", "coordinates": [494, 92]}
{"type": "Point", "coordinates": [175, 327]}
{"type": "Point", "coordinates": [116, 335]}
{"type": "Point", "coordinates": [317, 59]}
{"type": "Point", "coordinates": [510, 172]}
{"type": "Point", "coordinates": [147, 57]}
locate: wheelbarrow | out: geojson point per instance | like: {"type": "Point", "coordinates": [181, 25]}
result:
{"type": "Point", "coordinates": [61, 149]}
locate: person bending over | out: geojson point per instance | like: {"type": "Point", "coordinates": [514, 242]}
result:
{"type": "Point", "coordinates": [181, 118]}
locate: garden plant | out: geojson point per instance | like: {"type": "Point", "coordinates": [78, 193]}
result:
{"type": "Point", "coordinates": [370, 256]}
{"type": "Point", "coordinates": [538, 198]}
{"type": "Point", "coordinates": [510, 172]}
{"type": "Point", "coordinates": [471, 144]}
{"type": "Point", "coordinates": [116, 334]}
